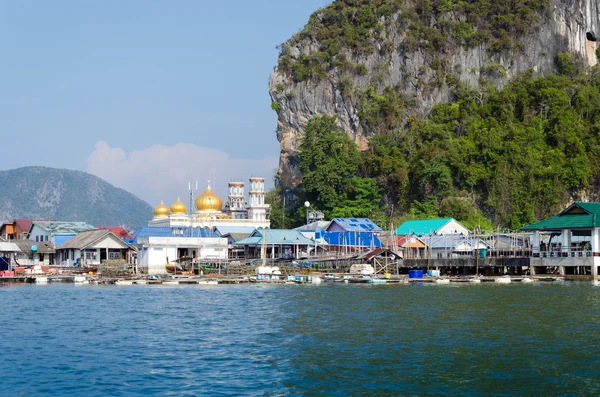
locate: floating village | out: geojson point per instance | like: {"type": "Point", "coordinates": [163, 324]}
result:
{"type": "Point", "coordinates": [232, 243]}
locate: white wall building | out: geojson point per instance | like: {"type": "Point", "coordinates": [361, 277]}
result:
{"type": "Point", "coordinates": [154, 253]}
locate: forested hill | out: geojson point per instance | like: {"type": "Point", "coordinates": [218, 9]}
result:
{"type": "Point", "coordinates": [66, 195]}
{"type": "Point", "coordinates": [483, 110]}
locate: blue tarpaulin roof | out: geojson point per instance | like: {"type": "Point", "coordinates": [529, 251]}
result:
{"type": "Point", "coordinates": [356, 239]}
{"type": "Point", "coordinates": [356, 224]}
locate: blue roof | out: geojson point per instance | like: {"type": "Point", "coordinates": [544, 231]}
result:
{"type": "Point", "coordinates": [162, 231]}
{"type": "Point", "coordinates": [357, 239]}
{"type": "Point", "coordinates": [356, 224]}
{"type": "Point", "coordinates": [422, 226]}
{"type": "Point", "coordinates": [62, 238]}
{"type": "Point", "coordinates": [275, 236]}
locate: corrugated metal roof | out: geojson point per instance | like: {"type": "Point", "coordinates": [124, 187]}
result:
{"type": "Point", "coordinates": [367, 256]}
{"type": "Point", "coordinates": [275, 236]}
{"type": "Point", "coordinates": [314, 226]}
{"type": "Point", "coordinates": [236, 236]}
{"type": "Point", "coordinates": [357, 239]}
{"type": "Point", "coordinates": [9, 247]}
{"type": "Point", "coordinates": [420, 227]}
{"type": "Point", "coordinates": [23, 224]}
{"type": "Point", "coordinates": [356, 224]}
{"type": "Point", "coordinates": [63, 227]}
{"type": "Point", "coordinates": [43, 247]}
{"type": "Point", "coordinates": [575, 221]}
{"type": "Point", "coordinates": [249, 241]}
{"type": "Point", "coordinates": [578, 215]}
{"type": "Point", "coordinates": [450, 241]}
{"type": "Point", "coordinates": [221, 230]}
{"type": "Point", "coordinates": [90, 237]}
{"type": "Point", "coordinates": [118, 230]}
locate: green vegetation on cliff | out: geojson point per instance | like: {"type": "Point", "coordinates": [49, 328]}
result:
{"type": "Point", "coordinates": [347, 29]}
{"type": "Point", "coordinates": [516, 153]}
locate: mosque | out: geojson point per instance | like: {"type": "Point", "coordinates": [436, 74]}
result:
{"type": "Point", "coordinates": [211, 213]}
{"type": "Point", "coordinates": [175, 234]}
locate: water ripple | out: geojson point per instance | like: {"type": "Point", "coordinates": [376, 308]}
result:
{"type": "Point", "coordinates": [467, 340]}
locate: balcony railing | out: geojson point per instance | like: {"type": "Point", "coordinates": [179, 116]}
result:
{"type": "Point", "coordinates": [574, 253]}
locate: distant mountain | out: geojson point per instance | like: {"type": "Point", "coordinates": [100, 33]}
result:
{"type": "Point", "coordinates": [67, 195]}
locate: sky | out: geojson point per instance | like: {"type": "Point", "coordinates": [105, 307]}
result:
{"type": "Point", "coordinates": [145, 94]}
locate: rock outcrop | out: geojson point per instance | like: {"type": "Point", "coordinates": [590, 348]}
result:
{"type": "Point", "coordinates": [562, 26]}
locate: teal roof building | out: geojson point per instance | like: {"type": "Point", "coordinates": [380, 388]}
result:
{"type": "Point", "coordinates": [438, 226]}
{"type": "Point", "coordinates": [576, 216]}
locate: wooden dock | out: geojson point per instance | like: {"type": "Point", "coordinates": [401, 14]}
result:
{"type": "Point", "coordinates": [303, 279]}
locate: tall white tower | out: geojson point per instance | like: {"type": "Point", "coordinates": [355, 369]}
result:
{"type": "Point", "coordinates": [236, 206]}
{"type": "Point", "coordinates": [257, 209]}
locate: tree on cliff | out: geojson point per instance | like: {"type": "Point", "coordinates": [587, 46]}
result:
{"type": "Point", "coordinates": [329, 162]}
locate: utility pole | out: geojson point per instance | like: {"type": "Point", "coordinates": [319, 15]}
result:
{"type": "Point", "coordinates": [283, 213]}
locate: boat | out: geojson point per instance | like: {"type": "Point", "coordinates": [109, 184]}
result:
{"type": "Point", "coordinates": [503, 280]}
{"type": "Point", "coordinates": [378, 281]}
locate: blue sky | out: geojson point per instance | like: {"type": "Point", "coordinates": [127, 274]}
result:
{"type": "Point", "coordinates": [145, 94]}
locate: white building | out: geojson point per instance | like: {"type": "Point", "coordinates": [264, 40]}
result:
{"type": "Point", "coordinates": [440, 226]}
{"type": "Point", "coordinates": [155, 252]}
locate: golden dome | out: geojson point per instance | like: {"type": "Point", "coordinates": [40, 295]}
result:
{"type": "Point", "coordinates": [209, 201]}
{"type": "Point", "coordinates": [161, 210]}
{"type": "Point", "coordinates": [178, 207]}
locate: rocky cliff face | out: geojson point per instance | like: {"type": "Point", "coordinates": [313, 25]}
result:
{"type": "Point", "coordinates": [560, 26]}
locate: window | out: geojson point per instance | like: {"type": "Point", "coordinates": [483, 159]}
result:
{"type": "Point", "coordinates": [37, 239]}
{"type": "Point", "coordinates": [46, 238]}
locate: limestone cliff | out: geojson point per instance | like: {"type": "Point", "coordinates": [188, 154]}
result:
{"type": "Point", "coordinates": [420, 68]}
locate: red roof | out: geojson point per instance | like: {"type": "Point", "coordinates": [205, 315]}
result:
{"type": "Point", "coordinates": [118, 230]}
{"type": "Point", "coordinates": [23, 224]}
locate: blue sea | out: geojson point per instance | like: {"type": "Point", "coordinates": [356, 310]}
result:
{"type": "Point", "coordinates": [537, 339]}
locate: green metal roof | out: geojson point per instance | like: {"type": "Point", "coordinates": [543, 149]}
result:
{"type": "Point", "coordinates": [591, 208]}
{"type": "Point", "coordinates": [565, 220]}
{"type": "Point", "coordinates": [421, 227]}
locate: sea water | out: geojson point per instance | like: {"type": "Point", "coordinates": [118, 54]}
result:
{"type": "Point", "coordinates": [278, 340]}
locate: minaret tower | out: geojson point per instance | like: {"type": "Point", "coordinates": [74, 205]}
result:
{"type": "Point", "coordinates": [257, 209]}
{"type": "Point", "coordinates": [236, 207]}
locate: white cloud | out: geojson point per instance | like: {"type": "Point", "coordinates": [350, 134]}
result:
{"type": "Point", "coordinates": [162, 172]}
